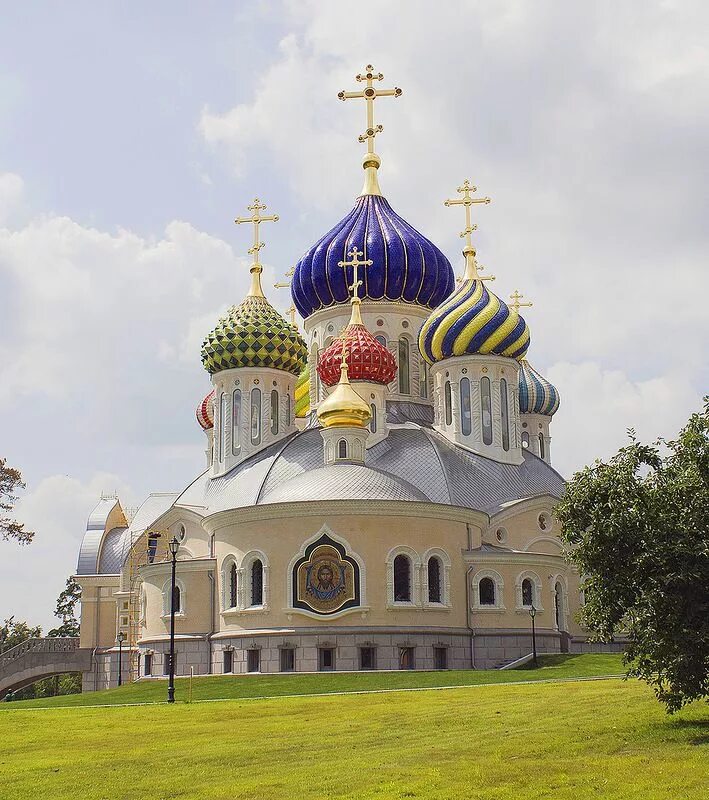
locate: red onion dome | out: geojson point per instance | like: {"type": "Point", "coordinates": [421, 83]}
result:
{"type": "Point", "coordinates": [367, 359]}
{"type": "Point", "coordinates": [205, 412]}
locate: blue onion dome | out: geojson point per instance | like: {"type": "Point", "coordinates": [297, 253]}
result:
{"type": "Point", "coordinates": [473, 321]}
{"type": "Point", "coordinates": [254, 334]}
{"type": "Point", "coordinates": [406, 265]}
{"type": "Point", "coordinates": [536, 394]}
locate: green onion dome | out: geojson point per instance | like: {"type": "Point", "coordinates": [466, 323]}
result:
{"type": "Point", "coordinates": [302, 394]}
{"type": "Point", "coordinates": [254, 334]}
{"type": "Point", "coordinates": [473, 321]}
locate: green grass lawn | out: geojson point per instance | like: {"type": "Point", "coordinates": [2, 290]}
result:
{"type": "Point", "coordinates": [211, 688]}
{"type": "Point", "coordinates": [573, 740]}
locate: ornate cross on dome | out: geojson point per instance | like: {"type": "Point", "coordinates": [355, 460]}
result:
{"type": "Point", "coordinates": [256, 219]}
{"type": "Point", "coordinates": [516, 296]}
{"type": "Point", "coordinates": [370, 94]}
{"type": "Point", "coordinates": [354, 262]}
{"type": "Point", "coordinates": [286, 285]}
{"type": "Point", "coordinates": [467, 201]}
{"type": "Point", "coordinates": [478, 276]}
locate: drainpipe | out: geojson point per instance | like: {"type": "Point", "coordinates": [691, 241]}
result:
{"type": "Point", "coordinates": [468, 575]}
{"type": "Point", "coordinates": [212, 593]}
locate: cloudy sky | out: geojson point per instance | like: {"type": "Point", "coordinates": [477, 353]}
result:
{"type": "Point", "coordinates": [132, 134]}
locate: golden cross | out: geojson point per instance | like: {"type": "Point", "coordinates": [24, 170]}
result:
{"type": "Point", "coordinates": [478, 276]}
{"type": "Point", "coordinates": [286, 285]}
{"type": "Point", "coordinates": [256, 219]}
{"type": "Point", "coordinates": [516, 297]}
{"type": "Point", "coordinates": [370, 94]}
{"type": "Point", "coordinates": [344, 338]}
{"type": "Point", "coordinates": [354, 255]}
{"type": "Point", "coordinates": [467, 201]}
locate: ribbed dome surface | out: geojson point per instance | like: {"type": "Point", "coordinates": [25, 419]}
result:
{"type": "Point", "coordinates": [473, 321]}
{"type": "Point", "coordinates": [536, 394]}
{"type": "Point", "coordinates": [367, 359]}
{"type": "Point", "coordinates": [205, 412]}
{"type": "Point", "coordinates": [254, 334]}
{"type": "Point", "coordinates": [407, 266]}
{"type": "Point", "coordinates": [302, 393]}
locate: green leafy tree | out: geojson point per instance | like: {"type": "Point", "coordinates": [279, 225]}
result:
{"type": "Point", "coordinates": [637, 527]}
{"type": "Point", "coordinates": [10, 482]}
{"type": "Point", "coordinates": [14, 632]}
{"type": "Point", "coordinates": [66, 610]}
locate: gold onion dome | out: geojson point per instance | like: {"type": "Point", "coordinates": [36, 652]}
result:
{"type": "Point", "coordinates": [473, 321]}
{"type": "Point", "coordinates": [343, 407]}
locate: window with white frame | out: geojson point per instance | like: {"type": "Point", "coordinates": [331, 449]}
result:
{"type": "Point", "coordinates": [488, 588]}
{"type": "Point", "coordinates": [178, 599]}
{"type": "Point", "coordinates": [404, 366]}
{"type": "Point", "coordinates": [402, 579]}
{"type": "Point", "coordinates": [528, 591]}
{"type": "Point", "coordinates": [435, 578]}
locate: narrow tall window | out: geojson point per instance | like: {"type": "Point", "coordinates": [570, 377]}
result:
{"type": "Point", "coordinates": [287, 659]}
{"type": "Point", "coordinates": [255, 416]}
{"type": "Point", "coordinates": [253, 660]}
{"type": "Point", "coordinates": [440, 658]}
{"type": "Point", "coordinates": [274, 412]}
{"type": "Point", "coordinates": [504, 415]}
{"type": "Point", "coordinates": [402, 579]}
{"type": "Point", "coordinates": [525, 439]}
{"type": "Point", "coordinates": [423, 379]}
{"type": "Point", "coordinates": [404, 376]}
{"type": "Point", "coordinates": [257, 583]}
{"type": "Point", "coordinates": [373, 418]}
{"type": "Point", "coordinates": [542, 449]}
{"type": "Point", "coordinates": [406, 658]}
{"type": "Point", "coordinates": [486, 409]}
{"type": "Point", "coordinates": [177, 600]}
{"type": "Point", "coordinates": [148, 664]}
{"type": "Point", "coordinates": [367, 658]}
{"type": "Point", "coordinates": [228, 656]}
{"type": "Point", "coordinates": [288, 412]}
{"type": "Point", "coordinates": [326, 659]}
{"type": "Point", "coordinates": [527, 592]}
{"type": "Point", "coordinates": [558, 605]}
{"type": "Point", "coordinates": [434, 580]}
{"type": "Point", "coordinates": [342, 449]}
{"type": "Point", "coordinates": [233, 586]}
{"type": "Point", "coordinates": [222, 425]}
{"type": "Point", "coordinates": [236, 422]}
{"type": "Point", "coordinates": [486, 588]}
{"type": "Point", "coordinates": [447, 402]}
{"type": "Point", "coordinates": [466, 421]}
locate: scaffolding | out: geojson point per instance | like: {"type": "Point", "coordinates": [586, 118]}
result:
{"type": "Point", "coordinates": [149, 547]}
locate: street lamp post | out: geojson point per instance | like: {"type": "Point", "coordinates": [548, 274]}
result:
{"type": "Point", "coordinates": [174, 547]}
{"type": "Point", "coordinates": [121, 638]}
{"type": "Point", "coordinates": [533, 614]}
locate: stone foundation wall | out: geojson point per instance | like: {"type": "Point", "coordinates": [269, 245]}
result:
{"type": "Point", "coordinates": [582, 646]}
{"type": "Point", "coordinates": [495, 648]}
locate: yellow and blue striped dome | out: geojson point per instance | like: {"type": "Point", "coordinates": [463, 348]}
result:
{"type": "Point", "coordinates": [536, 394]}
{"type": "Point", "coordinates": [473, 321]}
{"type": "Point", "coordinates": [302, 394]}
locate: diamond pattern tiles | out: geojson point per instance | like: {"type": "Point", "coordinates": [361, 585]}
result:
{"type": "Point", "coordinates": [254, 334]}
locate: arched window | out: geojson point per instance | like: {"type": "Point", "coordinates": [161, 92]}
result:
{"type": "Point", "coordinates": [342, 449]}
{"type": "Point", "coordinates": [486, 409]}
{"type": "Point", "coordinates": [274, 412]}
{"type": "Point", "coordinates": [257, 583]}
{"type": "Point", "coordinates": [447, 403]}
{"type": "Point", "coordinates": [504, 415]}
{"type": "Point", "coordinates": [525, 439]}
{"type": "Point", "coordinates": [255, 416]}
{"type": "Point", "coordinates": [402, 579]}
{"type": "Point", "coordinates": [559, 606]}
{"type": "Point", "coordinates": [381, 339]}
{"type": "Point", "coordinates": [289, 422]}
{"type": "Point", "coordinates": [487, 592]}
{"type": "Point", "coordinates": [404, 374]}
{"type": "Point", "coordinates": [423, 380]}
{"type": "Point", "coordinates": [542, 451]}
{"type": "Point", "coordinates": [527, 592]}
{"type": "Point", "coordinates": [465, 416]}
{"type": "Point", "coordinates": [233, 586]}
{"type": "Point", "coordinates": [177, 599]}
{"type": "Point", "coordinates": [434, 580]}
{"type": "Point", "coordinates": [236, 422]}
{"type": "Point", "coordinates": [373, 418]}
{"type": "Point", "coordinates": [222, 426]}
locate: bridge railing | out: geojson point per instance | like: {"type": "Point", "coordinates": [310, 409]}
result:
{"type": "Point", "coordinates": [46, 644]}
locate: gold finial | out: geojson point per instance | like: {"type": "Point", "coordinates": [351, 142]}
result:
{"type": "Point", "coordinates": [286, 285]}
{"type": "Point", "coordinates": [516, 297]}
{"type": "Point", "coordinates": [256, 219]}
{"type": "Point", "coordinates": [354, 262]}
{"type": "Point", "coordinates": [370, 93]}
{"type": "Point", "coordinates": [478, 270]}
{"type": "Point", "coordinates": [467, 189]}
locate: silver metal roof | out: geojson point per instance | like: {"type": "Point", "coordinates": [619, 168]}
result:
{"type": "Point", "coordinates": [417, 459]}
{"type": "Point", "coordinates": [91, 543]}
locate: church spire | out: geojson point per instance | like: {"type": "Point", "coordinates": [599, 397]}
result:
{"type": "Point", "coordinates": [370, 93]}
{"type": "Point", "coordinates": [256, 219]}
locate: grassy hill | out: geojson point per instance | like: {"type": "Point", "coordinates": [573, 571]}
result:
{"type": "Point", "coordinates": [578, 739]}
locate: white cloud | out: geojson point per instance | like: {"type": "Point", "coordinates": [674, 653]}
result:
{"type": "Point", "coordinates": [12, 198]}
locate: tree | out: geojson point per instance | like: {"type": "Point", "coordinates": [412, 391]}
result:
{"type": "Point", "coordinates": [638, 530]}
{"type": "Point", "coordinates": [10, 482]}
{"type": "Point", "coordinates": [13, 633]}
{"type": "Point", "coordinates": [66, 608]}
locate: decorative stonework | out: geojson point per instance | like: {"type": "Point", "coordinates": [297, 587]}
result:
{"type": "Point", "coordinates": [326, 579]}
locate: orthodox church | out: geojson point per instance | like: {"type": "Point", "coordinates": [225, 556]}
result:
{"type": "Point", "coordinates": [378, 490]}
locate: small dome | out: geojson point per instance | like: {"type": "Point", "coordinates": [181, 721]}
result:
{"type": "Point", "coordinates": [536, 394]}
{"type": "Point", "coordinates": [205, 412]}
{"type": "Point", "coordinates": [302, 394]}
{"type": "Point", "coordinates": [406, 265]}
{"type": "Point", "coordinates": [254, 334]}
{"type": "Point", "coordinates": [367, 359]}
{"type": "Point", "coordinates": [343, 406]}
{"type": "Point", "coordinates": [473, 321]}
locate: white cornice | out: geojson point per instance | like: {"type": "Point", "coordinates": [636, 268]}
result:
{"type": "Point", "coordinates": [164, 567]}
{"type": "Point", "coordinates": [513, 557]}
